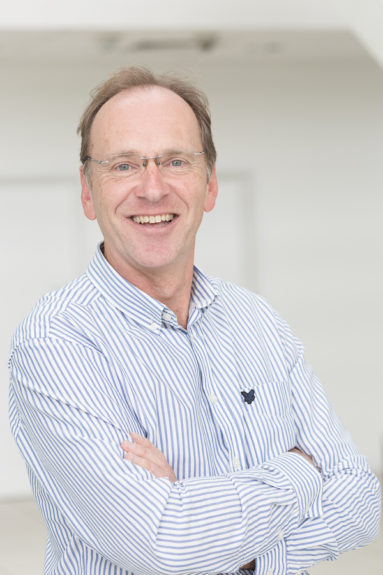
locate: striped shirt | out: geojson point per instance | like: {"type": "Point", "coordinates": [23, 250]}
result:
{"type": "Point", "coordinates": [224, 400]}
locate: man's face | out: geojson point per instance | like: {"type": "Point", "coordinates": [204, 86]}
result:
{"type": "Point", "coordinates": [149, 122]}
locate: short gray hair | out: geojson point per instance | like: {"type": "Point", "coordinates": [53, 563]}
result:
{"type": "Point", "coordinates": [137, 77]}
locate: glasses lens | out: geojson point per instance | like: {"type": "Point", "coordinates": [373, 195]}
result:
{"type": "Point", "coordinates": [123, 166]}
{"type": "Point", "coordinates": [170, 164]}
{"type": "Point", "coordinates": [179, 164]}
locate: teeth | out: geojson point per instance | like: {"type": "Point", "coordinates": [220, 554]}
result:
{"type": "Point", "coordinates": [153, 219]}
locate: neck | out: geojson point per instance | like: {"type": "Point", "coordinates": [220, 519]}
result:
{"type": "Point", "coordinates": [172, 287]}
{"type": "Point", "coordinates": [173, 290]}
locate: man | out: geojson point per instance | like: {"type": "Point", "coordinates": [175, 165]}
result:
{"type": "Point", "coordinates": [168, 421]}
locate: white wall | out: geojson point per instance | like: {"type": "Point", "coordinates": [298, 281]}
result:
{"type": "Point", "coordinates": [82, 14]}
{"type": "Point", "coordinates": [308, 138]}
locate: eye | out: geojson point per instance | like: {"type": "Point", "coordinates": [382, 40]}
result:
{"type": "Point", "coordinates": [176, 163]}
{"type": "Point", "coordinates": [123, 167]}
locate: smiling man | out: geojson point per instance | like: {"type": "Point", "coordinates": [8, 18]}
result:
{"type": "Point", "coordinates": [168, 420]}
{"type": "Point", "coordinates": [148, 190]}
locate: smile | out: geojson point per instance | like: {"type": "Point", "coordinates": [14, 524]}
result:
{"type": "Point", "coordinates": [158, 219]}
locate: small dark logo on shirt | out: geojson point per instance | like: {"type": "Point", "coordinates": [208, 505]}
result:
{"type": "Point", "coordinates": [248, 396]}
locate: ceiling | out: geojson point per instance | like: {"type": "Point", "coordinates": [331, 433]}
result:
{"type": "Point", "coordinates": [118, 46]}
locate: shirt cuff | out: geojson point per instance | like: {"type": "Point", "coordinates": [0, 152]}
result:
{"type": "Point", "coordinates": [305, 480]}
{"type": "Point", "coordinates": [274, 562]}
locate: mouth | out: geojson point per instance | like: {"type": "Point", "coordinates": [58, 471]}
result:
{"type": "Point", "coordinates": [159, 219]}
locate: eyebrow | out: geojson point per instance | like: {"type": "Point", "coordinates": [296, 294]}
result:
{"type": "Point", "coordinates": [137, 153]}
{"type": "Point", "coordinates": [124, 153]}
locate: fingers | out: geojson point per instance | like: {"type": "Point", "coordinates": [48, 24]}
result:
{"type": "Point", "coordinates": [140, 461]}
{"type": "Point", "coordinates": [156, 469]}
{"type": "Point", "coordinates": [143, 448]}
{"type": "Point", "coordinates": [143, 453]}
{"type": "Point", "coordinates": [140, 440]}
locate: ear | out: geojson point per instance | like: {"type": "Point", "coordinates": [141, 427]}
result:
{"type": "Point", "coordinates": [86, 197]}
{"type": "Point", "coordinates": [212, 191]}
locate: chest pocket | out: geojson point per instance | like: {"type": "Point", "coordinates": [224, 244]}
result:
{"type": "Point", "coordinates": [270, 422]}
{"type": "Point", "coordinates": [273, 399]}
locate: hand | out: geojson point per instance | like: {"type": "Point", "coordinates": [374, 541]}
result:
{"type": "Point", "coordinates": [144, 454]}
{"type": "Point", "coordinates": [250, 565]}
{"type": "Point", "coordinates": [307, 457]}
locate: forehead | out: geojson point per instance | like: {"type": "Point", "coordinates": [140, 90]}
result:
{"type": "Point", "coordinates": [148, 119]}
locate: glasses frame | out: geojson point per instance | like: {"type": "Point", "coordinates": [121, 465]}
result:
{"type": "Point", "coordinates": [144, 159]}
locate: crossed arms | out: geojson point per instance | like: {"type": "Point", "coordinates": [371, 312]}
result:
{"type": "Point", "coordinates": [70, 421]}
{"type": "Point", "coordinates": [143, 453]}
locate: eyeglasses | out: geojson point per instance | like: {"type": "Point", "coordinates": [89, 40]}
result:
{"type": "Point", "coordinates": [131, 165]}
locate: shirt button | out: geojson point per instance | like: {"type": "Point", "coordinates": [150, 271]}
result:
{"type": "Point", "coordinates": [236, 462]}
{"type": "Point", "coordinates": [166, 316]}
{"type": "Point", "coordinates": [269, 573]}
{"type": "Point", "coordinates": [213, 398]}
{"type": "Point", "coordinates": [154, 327]}
{"type": "Point", "coordinates": [281, 535]}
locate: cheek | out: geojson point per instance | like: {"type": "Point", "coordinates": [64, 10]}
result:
{"type": "Point", "coordinates": [98, 207]}
{"type": "Point", "coordinates": [107, 199]}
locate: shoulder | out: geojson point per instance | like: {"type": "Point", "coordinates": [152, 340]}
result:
{"type": "Point", "coordinates": [251, 314]}
{"type": "Point", "coordinates": [243, 300]}
{"type": "Point", "coordinates": [56, 307]}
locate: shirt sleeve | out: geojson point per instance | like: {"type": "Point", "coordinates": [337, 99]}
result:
{"type": "Point", "coordinates": [350, 501]}
{"type": "Point", "coordinates": [67, 419]}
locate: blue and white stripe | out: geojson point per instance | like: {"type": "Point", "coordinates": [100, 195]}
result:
{"type": "Point", "coordinates": [100, 359]}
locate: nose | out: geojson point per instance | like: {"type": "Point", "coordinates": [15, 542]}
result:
{"type": "Point", "coordinates": [152, 185]}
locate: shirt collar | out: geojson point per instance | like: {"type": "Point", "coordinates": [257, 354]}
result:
{"type": "Point", "coordinates": [137, 304]}
{"type": "Point", "coordinates": [203, 291]}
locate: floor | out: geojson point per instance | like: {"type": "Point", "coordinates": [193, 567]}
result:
{"type": "Point", "coordinates": [22, 535]}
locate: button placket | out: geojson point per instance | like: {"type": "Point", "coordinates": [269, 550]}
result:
{"type": "Point", "coordinates": [220, 410]}
{"type": "Point", "coordinates": [213, 398]}
{"type": "Point", "coordinates": [236, 463]}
